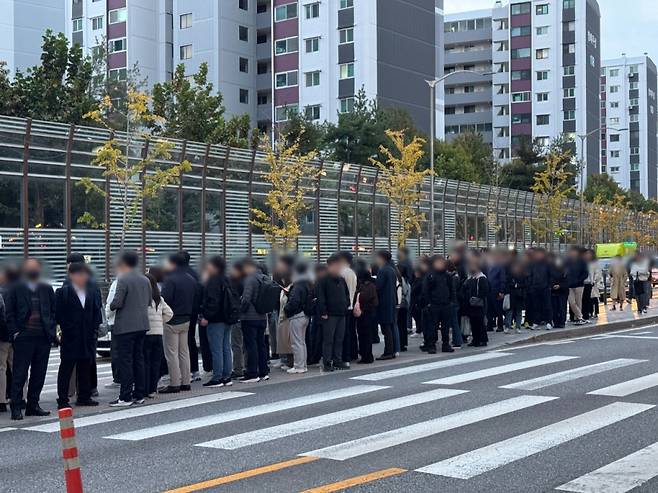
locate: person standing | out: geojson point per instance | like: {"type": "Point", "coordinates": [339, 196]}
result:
{"type": "Point", "coordinates": [332, 305]}
{"type": "Point", "coordinates": [159, 314]}
{"type": "Point", "coordinates": [559, 292]}
{"type": "Point", "coordinates": [539, 291]}
{"type": "Point", "coordinates": [517, 287]}
{"type": "Point", "coordinates": [577, 272]}
{"type": "Point", "coordinates": [457, 338]}
{"type": "Point", "coordinates": [219, 309]}
{"type": "Point", "coordinates": [438, 291]}
{"type": "Point", "coordinates": [386, 294]}
{"type": "Point", "coordinates": [640, 275]}
{"type": "Point", "coordinates": [78, 313]}
{"type": "Point", "coordinates": [180, 292]}
{"type": "Point", "coordinates": [475, 294]}
{"type": "Point", "coordinates": [365, 311]}
{"type": "Point", "coordinates": [253, 324]}
{"type": "Point", "coordinates": [235, 276]}
{"type": "Point", "coordinates": [296, 311]}
{"type": "Point", "coordinates": [31, 323]}
{"type": "Point", "coordinates": [8, 276]}
{"type": "Point", "coordinates": [131, 323]}
{"type": "Point", "coordinates": [315, 345]}
{"type": "Point", "coordinates": [618, 279]}
{"type": "Point", "coordinates": [350, 347]}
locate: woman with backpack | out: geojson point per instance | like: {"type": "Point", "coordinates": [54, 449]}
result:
{"type": "Point", "coordinates": [159, 314]}
{"type": "Point", "coordinates": [297, 308]}
{"type": "Point", "coordinates": [219, 310]}
{"type": "Point", "coordinates": [365, 312]}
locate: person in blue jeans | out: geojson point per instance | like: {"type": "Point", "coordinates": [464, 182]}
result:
{"type": "Point", "coordinates": [216, 321]}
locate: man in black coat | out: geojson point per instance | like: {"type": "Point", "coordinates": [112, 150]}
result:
{"type": "Point", "coordinates": [332, 304]}
{"type": "Point", "coordinates": [78, 313]}
{"type": "Point", "coordinates": [386, 284]}
{"type": "Point", "coordinates": [439, 294]}
{"type": "Point", "coordinates": [30, 306]}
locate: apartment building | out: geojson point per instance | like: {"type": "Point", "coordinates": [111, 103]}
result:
{"type": "Point", "coordinates": [468, 93]}
{"type": "Point", "coordinates": [629, 150]}
{"type": "Point", "coordinates": [22, 25]}
{"type": "Point", "coordinates": [326, 51]}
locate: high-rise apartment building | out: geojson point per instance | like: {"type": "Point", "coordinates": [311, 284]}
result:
{"type": "Point", "coordinates": [22, 25]}
{"type": "Point", "coordinates": [629, 149]}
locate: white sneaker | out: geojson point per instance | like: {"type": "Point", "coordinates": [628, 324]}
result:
{"type": "Point", "coordinates": [196, 376]}
{"type": "Point", "coordinates": [249, 380]}
{"type": "Point", "coordinates": [549, 327]}
{"type": "Point", "coordinates": [120, 403]}
{"type": "Point", "coordinates": [534, 327]}
{"type": "Point", "coordinates": [284, 367]}
{"type": "Point", "coordinates": [296, 370]}
{"type": "Point", "coordinates": [506, 330]}
{"type": "Point", "coordinates": [164, 381]}
{"type": "Point", "coordinates": [520, 331]}
{"type": "Point", "coordinates": [265, 378]}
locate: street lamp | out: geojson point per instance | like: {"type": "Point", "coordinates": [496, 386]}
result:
{"type": "Point", "coordinates": [583, 140]}
{"type": "Point", "coordinates": [433, 84]}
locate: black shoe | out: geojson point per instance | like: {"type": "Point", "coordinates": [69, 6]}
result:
{"type": "Point", "coordinates": [431, 350]}
{"type": "Point", "coordinates": [365, 361]}
{"type": "Point", "coordinates": [86, 403]}
{"type": "Point", "coordinates": [376, 341]}
{"type": "Point", "coordinates": [214, 383]}
{"type": "Point", "coordinates": [227, 382]}
{"type": "Point", "coordinates": [447, 349]}
{"type": "Point", "coordinates": [481, 344]}
{"type": "Point", "coordinates": [472, 344]}
{"type": "Point", "coordinates": [236, 375]}
{"type": "Point", "coordinates": [424, 348]}
{"type": "Point", "coordinates": [94, 393]}
{"type": "Point", "coordinates": [499, 330]}
{"type": "Point", "coordinates": [404, 349]}
{"type": "Point", "coordinates": [3, 408]}
{"type": "Point", "coordinates": [185, 388]}
{"type": "Point", "coordinates": [327, 368]}
{"type": "Point", "coordinates": [342, 366]}
{"type": "Point", "coordinates": [36, 411]}
{"type": "Point", "coordinates": [385, 357]}
{"type": "Point", "coordinates": [16, 414]}
{"type": "Point", "coordinates": [169, 390]}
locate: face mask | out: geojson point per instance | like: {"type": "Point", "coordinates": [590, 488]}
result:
{"type": "Point", "coordinates": [32, 275]}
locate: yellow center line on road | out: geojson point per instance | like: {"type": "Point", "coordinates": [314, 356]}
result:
{"type": "Point", "coordinates": [355, 481]}
{"type": "Point", "coordinates": [242, 475]}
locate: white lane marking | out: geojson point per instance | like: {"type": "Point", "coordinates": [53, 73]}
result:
{"type": "Point", "coordinates": [573, 374]}
{"type": "Point", "coordinates": [406, 434]}
{"type": "Point", "coordinates": [629, 387]}
{"type": "Point", "coordinates": [643, 333]}
{"type": "Point", "coordinates": [324, 421]}
{"type": "Point", "coordinates": [619, 336]}
{"type": "Point", "coordinates": [2, 430]}
{"type": "Point", "coordinates": [620, 476]}
{"type": "Point", "coordinates": [137, 411]}
{"type": "Point", "coordinates": [249, 412]}
{"type": "Point", "coordinates": [411, 370]}
{"type": "Point", "coordinates": [485, 459]}
{"type": "Point", "coordinates": [499, 370]}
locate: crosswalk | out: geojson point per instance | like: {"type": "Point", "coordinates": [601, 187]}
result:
{"type": "Point", "coordinates": [450, 410]}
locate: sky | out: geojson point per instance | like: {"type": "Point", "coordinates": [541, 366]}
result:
{"type": "Point", "coordinates": [633, 31]}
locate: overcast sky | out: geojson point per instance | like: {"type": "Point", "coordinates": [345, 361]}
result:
{"type": "Point", "coordinates": [628, 26]}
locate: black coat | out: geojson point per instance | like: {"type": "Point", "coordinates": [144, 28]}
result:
{"type": "Point", "coordinates": [333, 296]}
{"type": "Point", "coordinates": [181, 291]}
{"type": "Point", "coordinates": [78, 324]}
{"type": "Point", "coordinates": [439, 289]}
{"type": "Point", "coordinates": [212, 300]}
{"type": "Point", "coordinates": [18, 305]}
{"type": "Point", "coordinates": [475, 287]}
{"type": "Point", "coordinates": [4, 329]}
{"type": "Point", "coordinates": [298, 296]}
{"type": "Point", "coordinates": [386, 283]}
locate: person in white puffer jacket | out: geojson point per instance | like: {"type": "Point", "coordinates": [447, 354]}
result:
{"type": "Point", "coordinates": [159, 314]}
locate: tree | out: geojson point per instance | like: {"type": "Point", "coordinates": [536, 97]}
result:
{"type": "Point", "coordinates": [401, 181]}
{"type": "Point", "coordinates": [192, 110]}
{"type": "Point", "coordinates": [290, 175]}
{"type": "Point", "coordinates": [310, 135]}
{"type": "Point", "coordinates": [466, 158]}
{"type": "Point", "coordinates": [602, 186]}
{"type": "Point", "coordinates": [136, 177]}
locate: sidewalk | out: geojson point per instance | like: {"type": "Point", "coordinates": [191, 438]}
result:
{"type": "Point", "coordinates": [607, 321]}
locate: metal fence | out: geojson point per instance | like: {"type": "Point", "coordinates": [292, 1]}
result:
{"type": "Point", "coordinates": [208, 213]}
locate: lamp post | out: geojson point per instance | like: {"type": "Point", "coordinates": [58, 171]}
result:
{"type": "Point", "coordinates": [433, 84]}
{"type": "Point", "coordinates": [583, 165]}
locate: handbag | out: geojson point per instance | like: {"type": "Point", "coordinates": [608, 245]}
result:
{"type": "Point", "coordinates": [476, 301]}
{"type": "Point", "coordinates": [465, 325]}
{"type": "Point", "coordinates": [356, 311]}
{"type": "Point", "coordinates": [507, 304]}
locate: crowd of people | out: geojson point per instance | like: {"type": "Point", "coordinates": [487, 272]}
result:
{"type": "Point", "coordinates": [249, 321]}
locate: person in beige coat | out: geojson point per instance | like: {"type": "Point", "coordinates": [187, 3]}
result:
{"type": "Point", "coordinates": [618, 280]}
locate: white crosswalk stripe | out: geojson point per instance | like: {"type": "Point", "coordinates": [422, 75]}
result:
{"type": "Point", "coordinates": [249, 412]}
{"type": "Point", "coordinates": [499, 370]}
{"type": "Point", "coordinates": [138, 411]}
{"type": "Point", "coordinates": [485, 459]}
{"type": "Point", "coordinates": [326, 420]}
{"type": "Point", "coordinates": [412, 370]}
{"type": "Point", "coordinates": [573, 374]}
{"type": "Point", "coordinates": [406, 434]}
{"type": "Point", "coordinates": [630, 387]}
{"type": "Point", "coordinates": [620, 476]}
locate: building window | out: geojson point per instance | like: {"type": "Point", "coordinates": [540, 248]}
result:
{"type": "Point", "coordinates": [312, 45]}
{"type": "Point", "coordinates": [613, 89]}
{"type": "Point", "coordinates": [261, 8]}
{"type": "Point", "coordinates": [263, 99]}
{"type": "Point", "coordinates": [520, 31]}
{"type": "Point", "coordinates": [244, 65]}
{"type": "Point", "coordinates": [118, 15]}
{"type": "Point", "coordinates": [631, 118]}
{"type": "Point", "coordinates": [569, 4]}
{"type": "Point", "coordinates": [286, 79]}
{"type": "Point", "coordinates": [262, 68]}
{"type": "Point", "coordinates": [520, 97]}
{"type": "Point", "coordinates": [116, 45]}
{"type": "Point", "coordinates": [520, 8]}
{"type": "Point", "coordinates": [521, 118]}
{"type": "Point", "coordinates": [244, 96]}
{"type": "Point", "coordinates": [186, 21]}
{"type": "Point", "coordinates": [635, 151]}
{"type": "Point", "coordinates": [346, 70]}
{"type": "Point", "coordinates": [312, 112]}
{"type": "Point", "coordinates": [614, 137]}
{"type": "Point", "coordinates": [185, 52]}
{"type": "Point", "coordinates": [261, 38]}
{"type": "Point", "coordinates": [312, 10]}
{"type": "Point", "coordinates": [569, 115]}
{"type": "Point", "coordinates": [570, 70]}
{"type": "Point", "coordinates": [541, 9]}
{"type": "Point", "coordinates": [313, 78]}
{"type": "Point", "coordinates": [542, 30]}
{"type": "Point", "coordinates": [283, 113]}
{"type": "Point", "coordinates": [346, 35]}
{"type": "Point", "coordinates": [633, 102]}
{"type": "Point", "coordinates": [77, 25]}
{"type": "Point", "coordinates": [243, 33]}
{"type": "Point", "coordinates": [615, 153]}
{"type": "Point", "coordinates": [521, 75]}
{"type": "Point", "coordinates": [542, 97]}
{"type": "Point", "coordinates": [543, 119]}
{"type": "Point", "coordinates": [285, 12]}
{"type": "Point", "coordinates": [97, 23]}
{"type": "Point", "coordinates": [346, 105]}
{"type": "Point", "coordinates": [542, 75]}
{"type": "Point", "coordinates": [541, 54]}
{"type": "Point", "coordinates": [118, 74]}
{"type": "Point", "coordinates": [571, 48]}
{"type": "Point", "coordinates": [571, 26]}
{"type": "Point", "coordinates": [570, 92]}
{"type": "Point", "coordinates": [289, 45]}
{"type": "Point", "coordinates": [521, 53]}
{"type": "Point", "coordinates": [614, 104]}
{"type": "Point", "coordinates": [243, 5]}
{"type": "Point", "coordinates": [345, 4]}
{"type": "Point", "coordinates": [634, 85]}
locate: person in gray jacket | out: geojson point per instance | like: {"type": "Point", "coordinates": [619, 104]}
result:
{"type": "Point", "coordinates": [253, 325]}
{"type": "Point", "coordinates": [131, 301]}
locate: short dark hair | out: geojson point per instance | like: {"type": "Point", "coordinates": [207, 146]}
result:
{"type": "Point", "coordinates": [248, 262]}
{"type": "Point", "coordinates": [385, 254]}
{"type": "Point", "coordinates": [218, 263]}
{"type": "Point", "coordinates": [178, 259]}
{"type": "Point", "coordinates": [129, 258]}
{"type": "Point", "coordinates": [78, 268]}
{"type": "Point", "coordinates": [75, 258]}
{"type": "Point", "coordinates": [333, 258]}
{"type": "Point", "coordinates": [185, 255]}
{"type": "Point", "coordinates": [404, 251]}
{"type": "Point", "coordinates": [346, 256]}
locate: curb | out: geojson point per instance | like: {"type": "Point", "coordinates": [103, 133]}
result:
{"type": "Point", "coordinates": [586, 330]}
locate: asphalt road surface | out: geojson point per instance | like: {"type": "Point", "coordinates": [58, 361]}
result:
{"type": "Point", "coordinates": [575, 415]}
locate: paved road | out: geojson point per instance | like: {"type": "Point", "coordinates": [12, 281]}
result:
{"type": "Point", "coordinates": [576, 416]}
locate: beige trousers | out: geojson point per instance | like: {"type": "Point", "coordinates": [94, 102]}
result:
{"type": "Point", "coordinates": [6, 359]}
{"type": "Point", "coordinates": [177, 353]}
{"type": "Point", "coordinates": [576, 302]}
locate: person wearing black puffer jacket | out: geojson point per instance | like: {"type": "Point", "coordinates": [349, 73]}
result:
{"type": "Point", "coordinates": [439, 293]}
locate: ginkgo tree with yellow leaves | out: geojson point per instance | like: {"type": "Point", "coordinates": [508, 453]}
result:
{"type": "Point", "coordinates": [135, 178]}
{"type": "Point", "coordinates": [401, 181]}
{"type": "Point", "coordinates": [291, 175]}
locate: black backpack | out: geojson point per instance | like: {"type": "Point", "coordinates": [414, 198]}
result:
{"type": "Point", "coordinates": [231, 305]}
{"type": "Point", "coordinates": [268, 297]}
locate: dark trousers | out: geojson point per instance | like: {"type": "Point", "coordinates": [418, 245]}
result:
{"type": "Point", "coordinates": [30, 354]}
{"type": "Point", "coordinates": [389, 344]}
{"type": "Point", "coordinates": [350, 344]}
{"type": "Point", "coordinates": [93, 374]}
{"type": "Point", "coordinates": [206, 354]}
{"type": "Point", "coordinates": [588, 305]}
{"type": "Point", "coordinates": [333, 332]}
{"type": "Point", "coordinates": [495, 318]}
{"type": "Point", "coordinates": [83, 373]}
{"type": "Point", "coordinates": [152, 357]}
{"type": "Point", "coordinates": [130, 363]}
{"type": "Point", "coordinates": [314, 341]}
{"type": "Point", "coordinates": [253, 334]}
{"type": "Point", "coordinates": [403, 322]}
{"type": "Point", "coordinates": [194, 349]}
{"type": "Point", "coordinates": [478, 329]}
{"type": "Point", "coordinates": [539, 306]}
{"type": "Point", "coordinates": [364, 331]}
{"type": "Point", "coordinates": [440, 319]}
{"type": "Point", "coordinates": [114, 359]}
{"type": "Point", "coordinates": [559, 309]}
